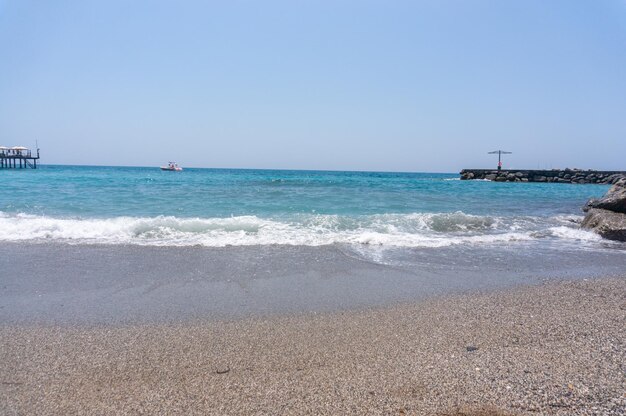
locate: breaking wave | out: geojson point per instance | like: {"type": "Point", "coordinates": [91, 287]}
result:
{"type": "Point", "coordinates": [393, 230]}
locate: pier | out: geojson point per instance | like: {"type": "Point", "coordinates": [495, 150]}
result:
{"type": "Point", "coordinates": [17, 157]}
{"type": "Point", "coordinates": [552, 175]}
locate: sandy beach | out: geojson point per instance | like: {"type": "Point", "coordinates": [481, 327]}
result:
{"type": "Point", "coordinates": [557, 348]}
{"type": "Point", "coordinates": [313, 208]}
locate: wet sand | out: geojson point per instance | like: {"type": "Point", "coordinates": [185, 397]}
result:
{"type": "Point", "coordinates": [120, 285]}
{"type": "Point", "coordinates": [556, 348]}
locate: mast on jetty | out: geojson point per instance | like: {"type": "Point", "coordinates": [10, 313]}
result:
{"type": "Point", "coordinates": [18, 157]}
{"type": "Point", "coordinates": [500, 153]}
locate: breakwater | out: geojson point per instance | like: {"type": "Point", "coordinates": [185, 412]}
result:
{"type": "Point", "coordinates": [553, 175]}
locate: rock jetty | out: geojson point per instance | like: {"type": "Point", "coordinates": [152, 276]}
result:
{"type": "Point", "coordinates": [607, 215]}
{"type": "Point", "coordinates": [553, 175]}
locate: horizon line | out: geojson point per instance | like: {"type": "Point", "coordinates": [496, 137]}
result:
{"type": "Point", "coordinates": [230, 168]}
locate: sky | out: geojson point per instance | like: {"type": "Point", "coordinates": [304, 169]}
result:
{"type": "Point", "coordinates": [428, 86]}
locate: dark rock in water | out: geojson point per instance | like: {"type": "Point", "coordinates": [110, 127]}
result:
{"type": "Point", "coordinates": [609, 224]}
{"type": "Point", "coordinates": [614, 200]}
{"type": "Point", "coordinates": [607, 215]}
{"type": "Point", "coordinates": [589, 204]}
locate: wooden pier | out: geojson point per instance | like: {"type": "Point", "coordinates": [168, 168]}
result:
{"type": "Point", "coordinates": [17, 158]}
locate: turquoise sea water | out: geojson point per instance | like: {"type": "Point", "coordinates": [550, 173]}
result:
{"type": "Point", "coordinates": [218, 207]}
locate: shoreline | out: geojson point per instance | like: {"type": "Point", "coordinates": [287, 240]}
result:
{"type": "Point", "coordinates": [555, 348]}
{"type": "Point", "coordinates": [58, 284]}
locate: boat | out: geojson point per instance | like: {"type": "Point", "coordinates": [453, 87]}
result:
{"type": "Point", "coordinates": [172, 166]}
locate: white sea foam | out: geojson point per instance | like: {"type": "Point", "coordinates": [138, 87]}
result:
{"type": "Point", "coordinates": [577, 234]}
{"type": "Point", "coordinates": [393, 230]}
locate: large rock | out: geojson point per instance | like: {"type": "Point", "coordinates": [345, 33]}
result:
{"type": "Point", "coordinates": [607, 215]}
{"type": "Point", "coordinates": [609, 224]}
{"type": "Point", "coordinates": [614, 200]}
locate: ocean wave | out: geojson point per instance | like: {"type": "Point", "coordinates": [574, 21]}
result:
{"type": "Point", "coordinates": [394, 230]}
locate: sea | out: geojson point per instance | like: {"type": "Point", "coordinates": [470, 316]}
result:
{"type": "Point", "coordinates": [247, 241]}
{"type": "Point", "coordinates": [234, 207]}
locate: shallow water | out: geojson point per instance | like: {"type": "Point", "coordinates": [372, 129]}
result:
{"type": "Point", "coordinates": [115, 284]}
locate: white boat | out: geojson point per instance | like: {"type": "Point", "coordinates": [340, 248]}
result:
{"type": "Point", "coordinates": [172, 166]}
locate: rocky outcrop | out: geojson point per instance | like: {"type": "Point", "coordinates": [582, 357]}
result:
{"type": "Point", "coordinates": [607, 215]}
{"type": "Point", "coordinates": [614, 200]}
{"type": "Point", "coordinates": [552, 176]}
{"type": "Point", "coordinates": [608, 224]}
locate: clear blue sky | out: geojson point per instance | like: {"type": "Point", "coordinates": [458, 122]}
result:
{"type": "Point", "coordinates": [364, 85]}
